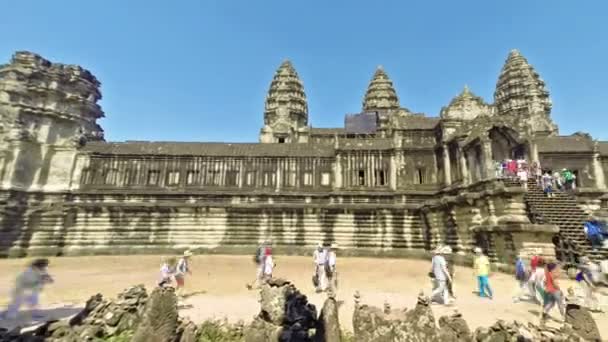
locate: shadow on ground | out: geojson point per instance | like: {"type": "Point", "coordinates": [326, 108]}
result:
{"type": "Point", "coordinates": [25, 318]}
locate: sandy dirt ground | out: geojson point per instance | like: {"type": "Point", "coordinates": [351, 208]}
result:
{"type": "Point", "coordinates": [218, 290]}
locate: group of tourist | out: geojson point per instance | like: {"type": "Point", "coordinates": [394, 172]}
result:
{"type": "Point", "coordinates": [521, 170]}
{"type": "Point", "coordinates": [442, 275]}
{"type": "Point", "coordinates": [538, 282]}
{"type": "Point", "coordinates": [172, 269]}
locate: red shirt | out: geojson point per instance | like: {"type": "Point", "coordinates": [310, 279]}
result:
{"type": "Point", "coordinates": [551, 286]}
{"type": "Point", "coordinates": [534, 262]}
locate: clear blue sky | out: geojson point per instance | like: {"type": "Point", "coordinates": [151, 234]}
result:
{"type": "Point", "coordinates": [199, 70]}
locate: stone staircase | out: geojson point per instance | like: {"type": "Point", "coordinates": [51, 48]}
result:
{"type": "Point", "coordinates": [563, 211]}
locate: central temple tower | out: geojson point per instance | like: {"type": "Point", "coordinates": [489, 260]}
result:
{"type": "Point", "coordinates": [286, 110]}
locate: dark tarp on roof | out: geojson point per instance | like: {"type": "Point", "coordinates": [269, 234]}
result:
{"type": "Point", "coordinates": [362, 123]}
{"type": "Point", "coordinates": [571, 143]}
{"type": "Point", "coordinates": [210, 149]}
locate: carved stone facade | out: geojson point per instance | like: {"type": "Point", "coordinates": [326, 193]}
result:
{"type": "Point", "coordinates": [390, 181]}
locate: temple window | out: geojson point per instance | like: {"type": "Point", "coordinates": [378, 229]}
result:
{"type": "Point", "coordinates": [232, 177]}
{"type": "Point", "coordinates": [361, 178]}
{"type": "Point", "coordinates": [108, 176]}
{"type": "Point", "coordinates": [86, 176]}
{"type": "Point", "coordinates": [173, 178]}
{"type": "Point", "coordinates": [250, 178]}
{"type": "Point", "coordinates": [269, 178]}
{"type": "Point", "coordinates": [213, 177]}
{"type": "Point", "coordinates": [380, 177]}
{"type": "Point", "coordinates": [127, 177]}
{"type": "Point", "coordinates": [290, 180]}
{"type": "Point", "coordinates": [307, 178]}
{"type": "Point", "coordinates": [420, 176]}
{"type": "Point", "coordinates": [281, 140]}
{"type": "Point", "coordinates": [153, 176]}
{"type": "Point", "coordinates": [325, 178]}
{"type": "Point", "coordinates": [192, 177]}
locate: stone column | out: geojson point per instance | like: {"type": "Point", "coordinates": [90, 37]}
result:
{"type": "Point", "coordinates": [446, 166]}
{"type": "Point", "coordinates": [462, 160]}
{"type": "Point", "coordinates": [487, 163]}
{"type": "Point", "coordinates": [393, 172]}
{"type": "Point", "coordinates": [534, 152]}
{"type": "Point", "coordinates": [279, 176]}
{"type": "Point", "coordinates": [598, 171]}
{"type": "Point", "coordinates": [337, 169]}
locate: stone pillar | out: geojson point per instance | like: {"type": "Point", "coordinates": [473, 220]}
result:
{"type": "Point", "coordinates": [393, 172]}
{"type": "Point", "coordinates": [447, 174]}
{"type": "Point", "coordinates": [279, 177]}
{"type": "Point", "coordinates": [534, 152]}
{"type": "Point", "coordinates": [337, 169]}
{"type": "Point", "coordinates": [462, 160]}
{"type": "Point", "coordinates": [487, 162]}
{"type": "Point", "coordinates": [598, 171]}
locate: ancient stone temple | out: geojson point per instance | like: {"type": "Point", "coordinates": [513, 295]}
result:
{"type": "Point", "coordinates": [390, 181]}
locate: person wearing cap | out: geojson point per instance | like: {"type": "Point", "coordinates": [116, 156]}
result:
{"type": "Point", "coordinates": [319, 259]}
{"type": "Point", "coordinates": [27, 289]}
{"type": "Point", "coordinates": [442, 276]}
{"type": "Point", "coordinates": [183, 268]}
{"type": "Point", "coordinates": [447, 254]}
{"type": "Point", "coordinates": [482, 271]}
{"type": "Point", "coordinates": [553, 292]}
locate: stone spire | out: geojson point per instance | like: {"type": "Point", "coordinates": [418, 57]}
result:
{"type": "Point", "coordinates": [465, 106]}
{"type": "Point", "coordinates": [381, 94]}
{"type": "Point", "coordinates": [521, 91]}
{"type": "Point", "coordinates": [286, 98]}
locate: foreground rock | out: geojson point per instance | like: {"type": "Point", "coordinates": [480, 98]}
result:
{"type": "Point", "coordinates": [159, 323]}
{"type": "Point", "coordinates": [285, 315]}
{"type": "Point", "coordinates": [373, 324]}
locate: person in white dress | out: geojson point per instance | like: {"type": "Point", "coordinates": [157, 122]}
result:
{"type": "Point", "coordinates": [319, 257]}
{"type": "Point", "coordinates": [331, 263]}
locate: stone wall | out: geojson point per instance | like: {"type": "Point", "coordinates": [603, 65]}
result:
{"type": "Point", "coordinates": [106, 223]}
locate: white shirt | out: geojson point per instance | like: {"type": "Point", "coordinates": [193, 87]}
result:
{"type": "Point", "coordinates": [539, 277]}
{"type": "Point", "coordinates": [319, 256]}
{"type": "Point", "coordinates": [332, 259]}
{"type": "Point", "coordinates": [268, 265]}
{"type": "Point", "coordinates": [523, 175]}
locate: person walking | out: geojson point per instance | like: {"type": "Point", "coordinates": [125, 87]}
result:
{"type": "Point", "coordinates": [319, 259]}
{"type": "Point", "coordinates": [269, 265]}
{"type": "Point", "coordinates": [441, 275]}
{"type": "Point", "coordinates": [588, 277]}
{"type": "Point", "coordinates": [537, 282]}
{"type": "Point", "coordinates": [259, 260]}
{"type": "Point", "coordinates": [521, 276]}
{"type": "Point", "coordinates": [553, 293]}
{"type": "Point", "coordinates": [482, 271]}
{"type": "Point", "coordinates": [27, 289]}
{"type": "Point", "coordinates": [183, 268]}
{"type": "Point", "coordinates": [167, 271]}
{"type": "Point", "coordinates": [331, 272]}
{"type": "Point", "coordinates": [547, 183]}
{"type": "Point", "coordinates": [447, 254]}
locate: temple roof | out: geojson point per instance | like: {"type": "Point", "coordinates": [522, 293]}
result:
{"type": "Point", "coordinates": [380, 94]}
{"type": "Point", "coordinates": [287, 90]}
{"type": "Point", "coordinates": [519, 86]}
{"type": "Point", "coordinates": [465, 106]}
{"type": "Point", "coordinates": [211, 149]}
{"type": "Point", "coordinates": [603, 147]}
{"type": "Point", "coordinates": [417, 122]}
{"type": "Point", "coordinates": [366, 144]}
{"type": "Point", "coordinates": [571, 143]}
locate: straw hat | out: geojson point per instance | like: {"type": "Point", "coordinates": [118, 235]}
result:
{"type": "Point", "coordinates": [188, 253]}
{"type": "Point", "coordinates": [438, 250]}
{"type": "Point", "coordinates": [447, 250]}
{"type": "Point", "coordinates": [477, 250]}
{"type": "Point", "coordinates": [334, 246]}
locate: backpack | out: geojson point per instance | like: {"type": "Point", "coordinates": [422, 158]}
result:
{"type": "Point", "coordinates": [568, 176]}
{"type": "Point", "coordinates": [592, 229]}
{"type": "Point", "coordinates": [258, 255]}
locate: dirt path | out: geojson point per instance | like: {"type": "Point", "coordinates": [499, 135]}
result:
{"type": "Point", "coordinates": [218, 286]}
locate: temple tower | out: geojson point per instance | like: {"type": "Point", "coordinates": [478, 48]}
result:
{"type": "Point", "coordinates": [520, 92]}
{"type": "Point", "coordinates": [380, 95]}
{"type": "Point", "coordinates": [47, 111]}
{"type": "Point", "coordinates": [286, 109]}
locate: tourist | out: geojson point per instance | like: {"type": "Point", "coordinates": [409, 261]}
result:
{"type": "Point", "coordinates": [447, 255]}
{"type": "Point", "coordinates": [259, 259]}
{"type": "Point", "coordinates": [319, 259]}
{"type": "Point", "coordinates": [521, 276]}
{"type": "Point", "coordinates": [553, 293]}
{"type": "Point", "coordinates": [330, 269]}
{"type": "Point", "coordinates": [537, 172]}
{"type": "Point", "coordinates": [559, 182]}
{"type": "Point", "coordinates": [482, 271]}
{"type": "Point", "coordinates": [536, 283]}
{"type": "Point", "coordinates": [441, 275]}
{"type": "Point", "coordinates": [269, 264]}
{"type": "Point", "coordinates": [498, 170]}
{"type": "Point", "coordinates": [568, 177]}
{"type": "Point", "coordinates": [167, 271]}
{"type": "Point", "coordinates": [588, 277]}
{"type": "Point", "coordinates": [183, 268]}
{"type": "Point", "coordinates": [522, 174]}
{"type": "Point", "coordinates": [547, 184]}
{"type": "Point", "coordinates": [595, 233]}
{"type": "Point", "coordinates": [27, 289]}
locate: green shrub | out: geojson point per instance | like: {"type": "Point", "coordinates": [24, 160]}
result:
{"type": "Point", "coordinates": [220, 331]}
{"type": "Point", "coordinates": [125, 336]}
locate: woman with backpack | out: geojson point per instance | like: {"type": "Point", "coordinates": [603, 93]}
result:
{"type": "Point", "coordinates": [521, 276]}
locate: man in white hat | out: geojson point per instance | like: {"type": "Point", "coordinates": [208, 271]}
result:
{"type": "Point", "coordinates": [319, 259]}
{"type": "Point", "coordinates": [482, 271]}
{"type": "Point", "coordinates": [441, 274]}
{"type": "Point", "coordinates": [447, 253]}
{"type": "Point", "coordinates": [183, 267]}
